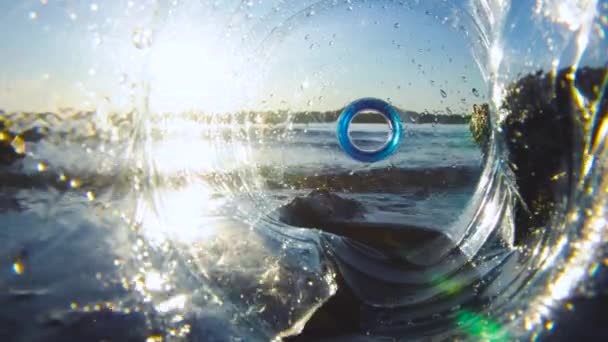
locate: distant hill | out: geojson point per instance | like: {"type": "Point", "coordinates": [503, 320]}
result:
{"type": "Point", "coordinates": [265, 117]}
{"type": "Point", "coordinates": [407, 116]}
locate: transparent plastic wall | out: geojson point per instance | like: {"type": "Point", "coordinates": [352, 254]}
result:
{"type": "Point", "coordinates": [171, 169]}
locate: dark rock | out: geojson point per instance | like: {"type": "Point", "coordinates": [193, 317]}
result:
{"type": "Point", "coordinates": [480, 126]}
{"type": "Point", "coordinates": [8, 153]}
{"type": "Point", "coordinates": [34, 134]}
{"type": "Point", "coordinates": [318, 207]}
{"type": "Point", "coordinates": [333, 214]}
{"type": "Point", "coordinates": [543, 129]}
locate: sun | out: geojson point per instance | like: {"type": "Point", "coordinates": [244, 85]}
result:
{"type": "Point", "coordinates": [192, 71]}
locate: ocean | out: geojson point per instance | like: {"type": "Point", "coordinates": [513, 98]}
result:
{"type": "Point", "coordinates": [181, 233]}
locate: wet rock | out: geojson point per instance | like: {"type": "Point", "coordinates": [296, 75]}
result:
{"type": "Point", "coordinates": [319, 207]}
{"type": "Point", "coordinates": [347, 218]}
{"type": "Point", "coordinates": [34, 134]}
{"type": "Point", "coordinates": [11, 148]}
{"type": "Point", "coordinates": [480, 126]}
{"type": "Point", "coordinates": [544, 126]}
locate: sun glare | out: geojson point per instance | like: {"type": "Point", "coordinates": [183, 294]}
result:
{"type": "Point", "coordinates": [191, 71]}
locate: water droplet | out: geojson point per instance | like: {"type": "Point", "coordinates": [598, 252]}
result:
{"type": "Point", "coordinates": [90, 196]}
{"type": "Point", "coordinates": [73, 16]}
{"type": "Point", "coordinates": [310, 13]}
{"type": "Point", "coordinates": [396, 25]}
{"type": "Point", "coordinates": [94, 7]}
{"type": "Point", "coordinates": [448, 110]}
{"type": "Point", "coordinates": [18, 267]}
{"type": "Point", "coordinates": [75, 183]}
{"type": "Point", "coordinates": [33, 15]}
{"type": "Point", "coordinates": [350, 8]}
{"type": "Point", "coordinates": [141, 38]}
{"type": "Point", "coordinates": [475, 92]}
{"type": "Point", "coordinates": [443, 93]}
{"type": "Point", "coordinates": [19, 145]}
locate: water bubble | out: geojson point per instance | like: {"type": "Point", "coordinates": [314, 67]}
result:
{"type": "Point", "coordinates": [141, 38]}
{"type": "Point", "coordinates": [443, 93]}
{"type": "Point", "coordinates": [475, 92]}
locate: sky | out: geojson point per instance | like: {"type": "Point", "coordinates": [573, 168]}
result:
{"type": "Point", "coordinates": [226, 55]}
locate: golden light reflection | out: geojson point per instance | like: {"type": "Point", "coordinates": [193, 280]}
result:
{"type": "Point", "coordinates": [184, 215]}
{"type": "Point", "coordinates": [18, 267]}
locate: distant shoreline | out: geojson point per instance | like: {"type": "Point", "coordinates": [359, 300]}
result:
{"type": "Point", "coordinates": [406, 117]}
{"type": "Point", "coordinates": [275, 117]}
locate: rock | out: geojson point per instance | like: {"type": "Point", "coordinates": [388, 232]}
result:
{"type": "Point", "coordinates": [347, 218]}
{"type": "Point", "coordinates": [480, 126]}
{"type": "Point", "coordinates": [12, 148]}
{"type": "Point", "coordinates": [542, 130]}
{"type": "Point", "coordinates": [34, 134]}
{"type": "Point", "coordinates": [318, 207]}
